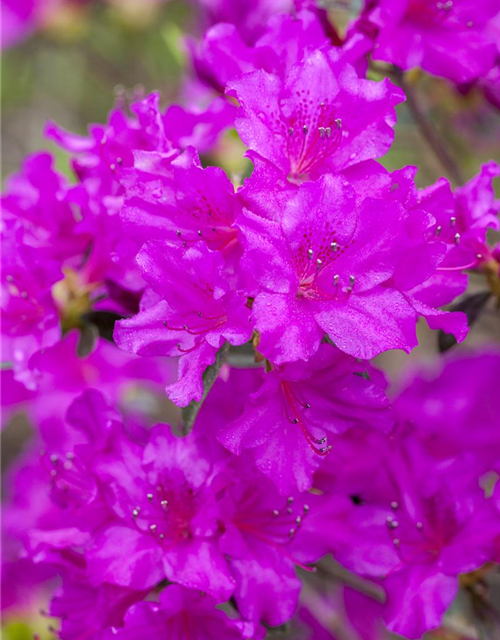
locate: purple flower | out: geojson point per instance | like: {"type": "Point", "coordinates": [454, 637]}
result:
{"type": "Point", "coordinates": [418, 523]}
{"type": "Point", "coordinates": [266, 536]}
{"type": "Point", "coordinates": [321, 117]}
{"type": "Point", "coordinates": [448, 38]}
{"type": "Point", "coordinates": [178, 613]}
{"type": "Point", "coordinates": [86, 612]}
{"type": "Point", "coordinates": [166, 523]}
{"type": "Point", "coordinates": [463, 218]}
{"type": "Point", "coordinates": [19, 17]}
{"type": "Point", "coordinates": [193, 314]}
{"type": "Point", "coordinates": [446, 402]}
{"type": "Point", "coordinates": [180, 202]}
{"type": "Point", "coordinates": [199, 127]}
{"type": "Point", "coordinates": [30, 318]}
{"type": "Point", "coordinates": [327, 266]}
{"type": "Point", "coordinates": [59, 374]}
{"type": "Point", "coordinates": [51, 213]}
{"type": "Point", "coordinates": [286, 422]}
{"type": "Point", "coordinates": [249, 16]}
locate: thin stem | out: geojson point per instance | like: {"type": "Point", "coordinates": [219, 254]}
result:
{"type": "Point", "coordinates": [427, 130]}
{"type": "Point", "coordinates": [210, 375]}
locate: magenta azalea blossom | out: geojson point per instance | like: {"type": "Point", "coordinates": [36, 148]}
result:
{"type": "Point", "coordinates": [417, 525]}
{"type": "Point", "coordinates": [326, 266]}
{"type": "Point", "coordinates": [448, 38]}
{"type": "Point", "coordinates": [200, 315]}
{"type": "Point", "coordinates": [180, 201]}
{"type": "Point", "coordinates": [287, 421]}
{"type": "Point", "coordinates": [181, 613]}
{"type": "Point", "coordinates": [165, 516]}
{"type": "Point", "coordinates": [267, 535]}
{"type": "Point", "coordinates": [321, 117]}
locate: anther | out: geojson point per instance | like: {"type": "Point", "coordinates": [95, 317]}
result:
{"type": "Point", "coordinates": [307, 405]}
{"type": "Point", "coordinates": [54, 458]}
{"type": "Point", "coordinates": [334, 246]}
{"type": "Point", "coordinates": [305, 129]}
{"type": "Point", "coordinates": [276, 513]}
{"type": "Point", "coordinates": [389, 519]}
{"type": "Point", "coordinates": [306, 508]}
{"type": "Point", "coordinates": [338, 122]}
{"type": "Point", "coordinates": [438, 229]}
{"type": "Point", "coordinates": [119, 161]}
{"type": "Point", "coordinates": [453, 221]}
{"type": "Point", "coordinates": [394, 505]}
{"type": "Point", "coordinates": [135, 513]}
{"type": "Point", "coordinates": [290, 499]}
{"type": "Point", "coordinates": [309, 253]}
{"type": "Point", "coordinates": [290, 131]}
{"type": "Point", "coordinates": [352, 280]}
{"type": "Point", "coordinates": [70, 455]}
{"type": "Point", "coordinates": [298, 519]}
{"type": "Point", "coordinates": [149, 496]}
{"type": "Point", "coordinates": [457, 238]}
{"type": "Point", "coordinates": [319, 262]}
{"type": "Point", "coordinates": [479, 256]}
{"type": "Point", "coordinates": [289, 510]}
{"type": "Point", "coordinates": [419, 525]}
{"type": "Point", "coordinates": [295, 421]}
{"type": "Point", "coordinates": [24, 295]}
{"type": "Point", "coordinates": [328, 132]}
{"type": "Point", "coordinates": [396, 542]}
{"type": "Point", "coordinates": [153, 527]}
{"type": "Point", "coordinates": [336, 279]}
{"type": "Point", "coordinates": [394, 524]}
{"type": "Point", "coordinates": [161, 536]}
{"type": "Point", "coordinates": [199, 232]}
{"type": "Point", "coordinates": [321, 132]}
{"type": "Point", "coordinates": [112, 166]}
{"type": "Point", "coordinates": [178, 232]}
{"type": "Point", "coordinates": [292, 532]}
{"type": "Point", "coordinates": [164, 504]}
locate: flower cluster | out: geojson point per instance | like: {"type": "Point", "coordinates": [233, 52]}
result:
{"type": "Point", "coordinates": [257, 305]}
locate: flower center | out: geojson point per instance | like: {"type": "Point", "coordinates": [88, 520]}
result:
{"type": "Point", "coordinates": [313, 133]}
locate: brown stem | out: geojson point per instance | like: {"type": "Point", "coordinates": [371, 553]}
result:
{"type": "Point", "coordinates": [427, 129]}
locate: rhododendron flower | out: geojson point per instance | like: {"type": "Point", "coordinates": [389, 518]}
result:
{"type": "Point", "coordinates": [165, 517]}
{"type": "Point", "coordinates": [286, 422]}
{"type": "Point", "coordinates": [325, 265]}
{"type": "Point", "coordinates": [180, 201]}
{"type": "Point", "coordinates": [321, 117]}
{"type": "Point", "coordinates": [19, 17]}
{"type": "Point", "coordinates": [463, 218]}
{"type": "Point", "coordinates": [446, 403]}
{"type": "Point", "coordinates": [448, 38]}
{"type": "Point", "coordinates": [417, 525]}
{"type": "Point", "coordinates": [52, 214]}
{"type": "Point", "coordinates": [84, 609]}
{"type": "Point", "coordinates": [181, 612]}
{"type": "Point", "coordinates": [196, 313]}
{"type": "Point", "coordinates": [266, 535]}
{"type": "Point", "coordinates": [59, 374]}
{"type": "Point", "coordinates": [30, 319]}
